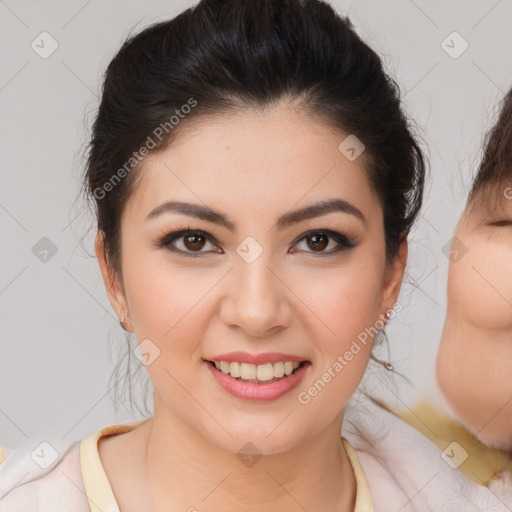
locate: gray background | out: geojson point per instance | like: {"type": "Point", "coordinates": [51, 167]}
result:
{"type": "Point", "coordinates": [59, 336]}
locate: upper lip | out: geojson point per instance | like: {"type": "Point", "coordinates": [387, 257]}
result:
{"type": "Point", "coordinates": [264, 358]}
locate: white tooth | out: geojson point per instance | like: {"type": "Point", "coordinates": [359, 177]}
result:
{"type": "Point", "coordinates": [265, 371]}
{"type": "Point", "coordinates": [278, 370]}
{"type": "Point", "coordinates": [262, 372]}
{"type": "Point", "coordinates": [234, 369]}
{"type": "Point", "coordinates": [247, 371]}
{"type": "Point", "coordinates": [288, 367]}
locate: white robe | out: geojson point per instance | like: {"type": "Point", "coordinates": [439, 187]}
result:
{"type": "Point", "coordinates": [404, 470]}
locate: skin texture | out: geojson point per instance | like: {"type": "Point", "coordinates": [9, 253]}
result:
{"type": "Point", "coordinates": [473, 362]}
{"type": "Point", "coordinates": [291, 299]}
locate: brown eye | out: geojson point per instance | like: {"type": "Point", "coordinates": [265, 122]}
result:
{"type": "Point", "coordinates": [194, 242]}
{"type": "Point", "coordinates": [318, 241]}
{"type": "Point", "coordinates": [188, 242]}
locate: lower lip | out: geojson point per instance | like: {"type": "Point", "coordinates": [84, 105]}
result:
{"type": "Point", "coordinates": [258, 392]}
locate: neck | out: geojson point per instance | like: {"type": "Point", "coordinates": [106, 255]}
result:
{"type": "Point", "coordinates": [189, 471]}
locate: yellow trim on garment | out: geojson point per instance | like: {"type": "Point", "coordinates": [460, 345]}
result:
{"type": "Point", "coordinates": [483, 463]}
{"type": "Point", "coordinates": [3, 454]}
{"type": "Point", "coordinates": [363, 498]}
{"type": "Point", "coordinates": [101, 497]}
{"type": "Point", "coordinates": [97, 486]}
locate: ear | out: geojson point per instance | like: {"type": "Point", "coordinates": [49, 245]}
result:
{"type": "Point", "coordinates": [114, 290]}
{"type": "Point", "coordinates": [393, 278]}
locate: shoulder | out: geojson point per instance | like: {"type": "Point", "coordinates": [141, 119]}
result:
{"type": "Point", "coordinates": [42, 477]}
{"type": "Point", "coordinates": [58, 474]}
{"type": "Point", "coordinates": [404, 469]}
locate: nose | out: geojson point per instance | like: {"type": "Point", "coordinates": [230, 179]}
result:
{"type": "Point", "coordinates": [257, 300]}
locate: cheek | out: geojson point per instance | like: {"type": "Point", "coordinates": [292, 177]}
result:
{"type": "Point", "coordinates": [343, 307]}
{"type": "Point", "coordinates": [480, 284]}
{"type": "Point", "coordinates": [345, 301]}
{"type": "Point", "coordinates": [341, 320]}
{"type": "Point", "coordinates": [167, 302]}
{"type": "Point", "coordinates": [172, 309]}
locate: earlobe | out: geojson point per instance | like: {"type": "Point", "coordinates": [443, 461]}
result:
{"type": "Point", "coordinates": [114, 292]}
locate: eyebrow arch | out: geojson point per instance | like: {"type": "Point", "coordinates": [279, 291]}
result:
{"type": "Point", "coordinates": [286, 220]}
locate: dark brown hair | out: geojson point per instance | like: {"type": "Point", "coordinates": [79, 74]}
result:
{"type": "Point", "coordinates": [224, 56]}
{"type": "Point", "coordinates": [495, 169]}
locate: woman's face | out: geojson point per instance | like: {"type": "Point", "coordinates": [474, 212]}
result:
{"type": "Point", "coordinates": [475, 355]}
{"type": "Point", "coordinates": [252, 280]}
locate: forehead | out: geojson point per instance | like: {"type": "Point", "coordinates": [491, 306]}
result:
{"type": "Point", "coordinates": [254, 162]}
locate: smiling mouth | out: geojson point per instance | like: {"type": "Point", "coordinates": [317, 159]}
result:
{"type": "Point", "coordinates": [268, 373]}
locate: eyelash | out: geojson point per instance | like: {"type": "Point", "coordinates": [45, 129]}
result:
{"type": "Point", "coordinates": [183, 232]}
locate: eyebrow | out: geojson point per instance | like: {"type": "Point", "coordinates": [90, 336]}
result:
{"type": "Point", "coordinates": [286, 220]}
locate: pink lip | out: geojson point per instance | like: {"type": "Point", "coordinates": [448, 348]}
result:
{"type": "Point", "coordinates": [245, 357]}
{"type": "Point", "coordinates": [258, 392]}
